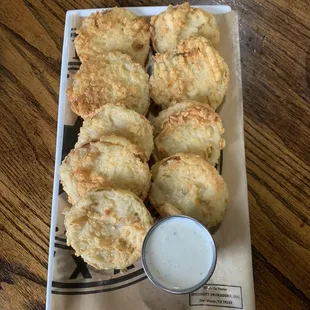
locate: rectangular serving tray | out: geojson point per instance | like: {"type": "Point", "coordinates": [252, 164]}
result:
{"type": "Point", "coordinates": [233, 274]}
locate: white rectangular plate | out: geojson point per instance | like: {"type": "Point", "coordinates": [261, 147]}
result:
{"type": "Point", "coordinates": [74, 285]}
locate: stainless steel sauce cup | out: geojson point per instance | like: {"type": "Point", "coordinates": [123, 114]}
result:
{"type": "Point", "coordinates": [173, 290]}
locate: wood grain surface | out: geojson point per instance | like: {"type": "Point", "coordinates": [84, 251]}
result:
{"type": "Point", "coordinates": [275, 48]}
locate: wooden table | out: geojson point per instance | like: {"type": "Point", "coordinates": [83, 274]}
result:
{"type": "Point", "coordinates": [275, 41]}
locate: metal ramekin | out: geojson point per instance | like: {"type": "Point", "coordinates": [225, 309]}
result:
{"type": "Point", "coordinates": [198, 285]}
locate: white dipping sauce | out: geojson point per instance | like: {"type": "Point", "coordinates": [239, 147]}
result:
{"type": "Point", "coordinates": [179, 253]}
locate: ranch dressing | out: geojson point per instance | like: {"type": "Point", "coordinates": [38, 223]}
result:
{"type": "Point", "coordinates": [179, 254]}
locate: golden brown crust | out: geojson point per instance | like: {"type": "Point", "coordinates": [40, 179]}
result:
{"type": "Point", "coordinates": [113, 30]}
{"type": "Point", "coordinates": [111, 162]}
{"type": "Point", "coordinates": [194, 129]}
{"type": "Point", "coordinates": [107, 228]}
{"type": "Point", "coordinates": [110, 78]}
{"type": "Point", "coordinates": [123, 122]}
{"type": "Point", "coordinates": [193, 71]}
{"type": "Point", "coordinates": [178, 23]}
{"type": "Point", "coordinates": [160, 120]}
{"type": "Point", "coordinates": [188, 183]}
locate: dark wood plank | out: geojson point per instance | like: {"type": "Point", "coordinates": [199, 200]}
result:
{"type": "Point", "coordinates": [275, 48]}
